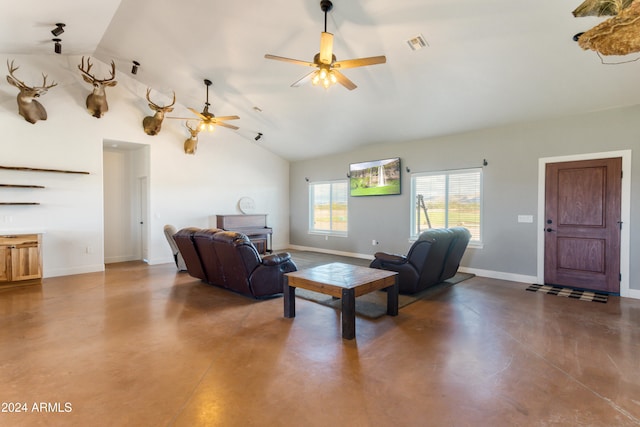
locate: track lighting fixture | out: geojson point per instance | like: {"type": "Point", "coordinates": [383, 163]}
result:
{"type": "Point", "coordinates": [134, 68]}
{"type": "Point", "coordinates": [59, 29]}
{"type": "Point", "coordinates": [258, 136]}
{"type": "Point", "coordinates": [57, 46]}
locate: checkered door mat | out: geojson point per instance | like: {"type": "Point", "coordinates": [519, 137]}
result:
{"type": "Point", "coordinates": [570, 293]}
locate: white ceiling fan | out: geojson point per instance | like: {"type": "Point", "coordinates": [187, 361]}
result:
{"type": "Point", "coordinates": [327, 67]}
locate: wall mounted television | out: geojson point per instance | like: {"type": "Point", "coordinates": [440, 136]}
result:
{"type": "Point", "coordinates": [375, 178]}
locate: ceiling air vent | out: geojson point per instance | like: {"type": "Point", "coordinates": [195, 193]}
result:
{"type": "Point", "coordinates": [417, 42]}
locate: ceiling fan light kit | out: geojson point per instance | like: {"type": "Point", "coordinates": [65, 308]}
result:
{"type": "Point", "coordinates": [208, 121]}
{"type": "Point", "coordinates": [327, 67]}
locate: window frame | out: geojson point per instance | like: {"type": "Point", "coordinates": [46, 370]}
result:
{"type": "Point", "coordinates": [330, 232]}
{"type": "Point", "coordinates": [413, 235]}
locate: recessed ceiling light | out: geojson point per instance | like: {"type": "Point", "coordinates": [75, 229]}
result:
{"type": "Point", "coordinates": [417, 42]}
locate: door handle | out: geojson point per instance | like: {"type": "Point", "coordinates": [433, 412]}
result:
{"type": "Point", "coordinates": [549, 230]}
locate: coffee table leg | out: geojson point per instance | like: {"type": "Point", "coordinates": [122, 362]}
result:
{"type": "Point", "coordinates": [348, 314]}
{"type": "Point", "coordinates": [289, 299]}
{"type": "Point", "coordinates": [392, 298]}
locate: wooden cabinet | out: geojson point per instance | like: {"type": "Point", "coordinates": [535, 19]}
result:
{"type": "Point", "coordinates": [20, 259]}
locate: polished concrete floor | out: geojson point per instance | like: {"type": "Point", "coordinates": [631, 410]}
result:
{"type": "Point", "coordinates": [147, 346]}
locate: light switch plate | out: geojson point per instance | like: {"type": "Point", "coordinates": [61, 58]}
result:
{"type": "Point", "coordinates": [525, 218]}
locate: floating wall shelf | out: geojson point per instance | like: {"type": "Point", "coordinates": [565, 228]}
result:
{"type": "Point", "coordinates": [18, 203]}
{"type": "Point", "coordinates": [21, 186]}
{"type": "Point", "coordinates": [17, 168]}
{"type": "Point", "coordinates": [26, 169]}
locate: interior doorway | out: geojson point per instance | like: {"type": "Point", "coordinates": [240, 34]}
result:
{"type": "Point", "coordinates": [577, 197]}
{"type": "Point", "coordinates": [125, 189]}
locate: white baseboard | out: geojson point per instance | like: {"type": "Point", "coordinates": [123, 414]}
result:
{"type": "Point", "coordinates": [71, 271]}
{"type": "Point", "coordinates": [633, 293]}
{"type": "Point", "coordinates": [329, 251]}
{"type": "Point", "coordinates": [121, 258]}
{"type": "Point", "coordinates": [500, 275]}
{"type": "Point", "coordinates": [162, 260]}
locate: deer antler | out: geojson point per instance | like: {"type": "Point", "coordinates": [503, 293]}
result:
{"type": "Point", "coordinates": [23, 85]}
{"type": "Point", "coordinates": [186, 123]}
{"type": "Point", "coordinates": [44, 82]}
{"type": "Point", "coordinates": [89, 65]}
{"type": "Point", "coordinates": [93, 77]}
{"type": "Point", "coordinates": [11, 68]}
{"type": "Point", "coordinates": [156, 105]}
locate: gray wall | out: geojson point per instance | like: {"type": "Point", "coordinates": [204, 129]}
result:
{"type": "Point", "coordinates": [510, 186]}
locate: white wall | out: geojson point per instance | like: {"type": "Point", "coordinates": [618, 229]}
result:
{"type": "Point", "coordinates": [184, 190]}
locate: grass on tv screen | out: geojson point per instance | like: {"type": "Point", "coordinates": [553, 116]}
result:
{"type": "Point", "coordinates": [375, 178]}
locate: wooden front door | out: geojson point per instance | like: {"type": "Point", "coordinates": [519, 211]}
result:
{"type": "Point", "coordinates": [582, 224]}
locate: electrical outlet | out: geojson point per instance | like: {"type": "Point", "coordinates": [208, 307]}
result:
{"type": "Point", "coordinates": [89, 250]}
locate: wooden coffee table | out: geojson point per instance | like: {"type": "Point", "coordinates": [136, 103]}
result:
{"type": "Point", "coordinates": [343, 281]}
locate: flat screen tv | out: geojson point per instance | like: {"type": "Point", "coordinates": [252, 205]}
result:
{"type": "Point", "coordinates": [375, 178]}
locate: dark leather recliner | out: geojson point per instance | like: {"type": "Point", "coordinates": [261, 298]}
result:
{"type": "Point", "coordinates": [433, 257]}
{"type": "Point", "coordinates": [203, 241]}
{"type": "Point", "coordinates": [185, 242]}
{"type": "Point", "coordinates": [245, 271]}
{"type": "Point", "coordinates": [228, 259]}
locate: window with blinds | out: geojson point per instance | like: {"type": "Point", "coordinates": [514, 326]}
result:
{"type": "Point", "coordinates": [447, 199]}
{"type": "Point", "coordinates": [328, 207]}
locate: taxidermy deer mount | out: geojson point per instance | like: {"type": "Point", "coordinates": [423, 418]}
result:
{"type": "Point", "coordinates": [153, 124]}
{"type": "Point", "coordinates": [191, 143]}
{"type": "Point", "coordinates": [28, 107]}
{"type": "Point", "coordinates": [97, 100]}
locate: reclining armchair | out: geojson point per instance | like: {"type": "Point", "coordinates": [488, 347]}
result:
{"type": "Point", "coordinates": [228, 259]}
{"type": "Point", "coordinates": [244, 270]}
{"type": "Point", "coordinates": [169, 231]}
{"type": "Point", "coordinates": [433, 258]}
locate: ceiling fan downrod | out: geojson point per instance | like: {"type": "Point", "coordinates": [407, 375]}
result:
{"type": "Point", "coordinates": [208, 83]}
{"type": "Point", "coordinates": [326, 6]}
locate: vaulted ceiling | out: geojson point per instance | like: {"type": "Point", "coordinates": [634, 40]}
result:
{"type": "Point", "coordinates": [487, 63]}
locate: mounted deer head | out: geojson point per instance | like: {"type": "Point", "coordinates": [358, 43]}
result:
{"type": "Point", "coordinates": [97, 100]}
{"type": "Point", "coordinates": [153, 124]}
{"type": "Point", "coordinates": [28, 107]}
{"type": "Point", "coordinates": [191, 143]}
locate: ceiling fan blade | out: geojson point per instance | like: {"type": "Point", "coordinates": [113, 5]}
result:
{"type": "Point", "coordinates": [227, 118]}
{"type": "Point", "coordinates": [360, 62]}
{"type": "Point", "coordinates": [344, 81]}
{"type": "Point", "coordinates": [197, 113]}
{"type": "Point", "coordinates": [305, 79]}
{"type": "Point", "coordinates": [293, 61]}
{"type": "Point", "coordinates": [226, 125]}
{"type": "Point", "coordinates": [326, 48]}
